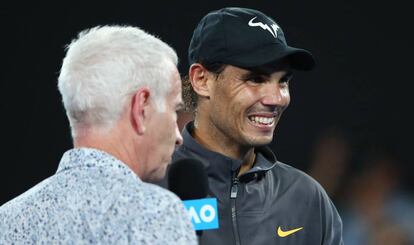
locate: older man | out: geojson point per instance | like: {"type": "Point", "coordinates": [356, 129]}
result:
{"type": "Point", "coordinates": [121, 89]}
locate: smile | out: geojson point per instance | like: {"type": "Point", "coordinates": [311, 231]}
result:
{"type": "Point", "coordinates": [268, 121]}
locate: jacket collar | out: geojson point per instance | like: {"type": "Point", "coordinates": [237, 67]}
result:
{"type": "Point", "coordinates": [218, 163]}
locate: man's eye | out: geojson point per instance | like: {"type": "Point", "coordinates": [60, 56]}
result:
{"type": "Point", "coordinates": [256, 79]}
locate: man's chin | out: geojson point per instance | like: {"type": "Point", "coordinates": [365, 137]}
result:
{"type": "Point", "coordinates": [155, 179]}
{"type": "Point", "coordinates": [256, 142]}
{"type": "Point", "coordinates": [157, 175]}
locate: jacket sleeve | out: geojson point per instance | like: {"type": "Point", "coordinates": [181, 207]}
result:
{"type": "Point", "coordinates": [331, 221]}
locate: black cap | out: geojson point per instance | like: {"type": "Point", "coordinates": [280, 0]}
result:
{"type": "Point", "coordinates": [245, 38]}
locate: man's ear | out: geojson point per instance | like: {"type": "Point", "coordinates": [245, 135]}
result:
{"type": "Point", "coordinates": [198, 76]}
{"type": "Point", "coordinates": [140, 109]}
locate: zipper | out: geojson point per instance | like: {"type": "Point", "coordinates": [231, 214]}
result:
{"type": "Point", "coordinates": [233, 196]}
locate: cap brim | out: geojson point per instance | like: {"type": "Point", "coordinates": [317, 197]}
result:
{"type": "Point", "coordinates": [299, 59]}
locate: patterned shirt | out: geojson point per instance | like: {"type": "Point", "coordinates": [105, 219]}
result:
{"type": "Point", "coordinates": [95, 199]}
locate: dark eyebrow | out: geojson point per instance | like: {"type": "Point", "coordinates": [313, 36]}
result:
{"type": "Point", "coordinates": [258, 72]}
{"type": "Point", "coordinates": [267, 70]}
{"type": "Point", "coordinates": [263, 72]}
{"type": "Point", "coordinates": [248, 75]}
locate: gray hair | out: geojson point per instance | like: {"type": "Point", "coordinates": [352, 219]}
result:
{"type": "Point", "coordinates": [103, 68]}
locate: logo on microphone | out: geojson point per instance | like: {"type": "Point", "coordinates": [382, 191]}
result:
{"type": "Point", "coordinates": [203, 213]}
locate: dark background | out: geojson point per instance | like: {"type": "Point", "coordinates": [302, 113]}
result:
{"type": "Point", "coordinates": [362, 82]}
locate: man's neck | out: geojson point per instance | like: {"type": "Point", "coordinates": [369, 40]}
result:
{"type": "Point", "coordinates": [111, 142]}
{"type": "Point", "coordinates": [229, 149]}
{"type": "Point", "coordinates": [248, 163]}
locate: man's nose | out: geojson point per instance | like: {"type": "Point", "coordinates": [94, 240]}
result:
{"type": "Point", "coordinates": [274, 94]}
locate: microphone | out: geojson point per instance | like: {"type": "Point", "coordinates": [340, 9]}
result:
{"type": "Point", "coordinates": [187, 178]}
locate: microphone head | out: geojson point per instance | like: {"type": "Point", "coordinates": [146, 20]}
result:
{"type": "Point", "coordinates": [187, 178]}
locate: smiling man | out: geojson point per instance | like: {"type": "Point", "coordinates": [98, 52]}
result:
{"type": "Point", "coordinates": [238, 87]}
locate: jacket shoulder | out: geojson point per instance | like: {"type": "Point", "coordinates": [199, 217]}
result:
{"type": "Point", "coordinates": [290, 175]}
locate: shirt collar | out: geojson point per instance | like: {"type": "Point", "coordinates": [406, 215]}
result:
{"type": "Point", "coordinates": [91, 158]}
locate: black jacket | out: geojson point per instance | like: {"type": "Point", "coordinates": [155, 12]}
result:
{"type": "Point", "coordinates": [270, 195]}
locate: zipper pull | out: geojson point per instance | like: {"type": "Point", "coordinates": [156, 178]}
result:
{"type": "Point", "coordinates": [234, 188]}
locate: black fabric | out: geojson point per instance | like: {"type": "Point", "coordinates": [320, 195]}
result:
{"type": "Point", "coordinates": [270, 195]}
{"type": "Point", "coordinates": [245, 38]}
{"type": "Point", "coordinates": [188, 179]}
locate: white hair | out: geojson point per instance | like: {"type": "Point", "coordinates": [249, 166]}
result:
{"type": "Point", "coordinates": [105, 66]}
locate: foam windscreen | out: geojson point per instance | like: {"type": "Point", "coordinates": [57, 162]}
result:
{"type": "Point", "coordinates": [187, 178]}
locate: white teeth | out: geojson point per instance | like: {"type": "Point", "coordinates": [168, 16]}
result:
{"type": "Point", "coordinates": [262, 120]}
